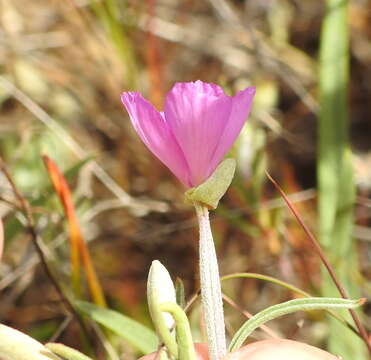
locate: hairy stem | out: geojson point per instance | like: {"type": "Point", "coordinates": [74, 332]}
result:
{"type": "Point", "coordinates": [211, 295]}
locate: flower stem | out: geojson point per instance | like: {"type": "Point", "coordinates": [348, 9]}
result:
{"type": "Point", "coordinates": [211, 294]}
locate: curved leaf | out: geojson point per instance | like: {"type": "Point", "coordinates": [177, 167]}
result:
{"type": "Point", "coordinates": [288, 307]}
{"type": "Point", "coordinates": [139, 336]}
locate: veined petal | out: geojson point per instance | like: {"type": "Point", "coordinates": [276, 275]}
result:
{"type": "Point", "coordinates": [241, 105]}
{"type": "Point", "coordinates": [197, 113]}
{"type": "Point", "coordinates": [156, 134]}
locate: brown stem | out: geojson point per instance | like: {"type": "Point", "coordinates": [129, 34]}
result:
{"type": "Point", "coordinates": [25, 207]}
{"type": "Point", "coordinates": [325, 262]}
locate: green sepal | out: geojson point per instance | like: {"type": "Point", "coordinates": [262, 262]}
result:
{"type": "Point", "coordinates": [212, 190]}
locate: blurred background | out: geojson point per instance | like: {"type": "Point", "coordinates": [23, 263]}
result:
{"type": "Point", "coordinates": [63, 67]}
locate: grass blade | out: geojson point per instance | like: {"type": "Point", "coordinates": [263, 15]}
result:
{"type": "Point", "coordinates": [336, 190]}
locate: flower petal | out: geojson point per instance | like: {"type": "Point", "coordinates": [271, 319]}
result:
{"type": "Point", "coordinates": [156, 134]}
{"type": "Point", "coordinates": [197, 113]}
{"type": "Point", "coordinates": [241, 105]}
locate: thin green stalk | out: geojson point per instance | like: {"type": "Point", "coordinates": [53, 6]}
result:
{"type": "Point", "coordinates": [266, 278]}
{"type": "Point", "coordinates": [186, 350]}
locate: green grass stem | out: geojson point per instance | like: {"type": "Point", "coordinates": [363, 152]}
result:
{"type": "Point", "coordinates": [336, 190]}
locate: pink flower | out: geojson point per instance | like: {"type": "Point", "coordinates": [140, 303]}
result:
{"type": "Point", "coordinates": [196, 129]}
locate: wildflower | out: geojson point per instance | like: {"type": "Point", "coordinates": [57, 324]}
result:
{"type": "Point", "coordinates": [196, 129]}
{"type": "Point", "coordinates": [191, 136]}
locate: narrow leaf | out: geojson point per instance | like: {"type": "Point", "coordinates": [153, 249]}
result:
{"type": "Point", "coordinates": [137, 335]}
{"type": "Point", "coordinates": [292, 288]}
{"type": "Point", "coordinates": [288, 307]}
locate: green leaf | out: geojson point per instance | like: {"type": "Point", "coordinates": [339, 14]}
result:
{"type": "Point", "coordinates": [290, 287]}
{"type": "Point", "coordinates": [137, 335]}
{"type": "Point", "coordinates": [285, 308]}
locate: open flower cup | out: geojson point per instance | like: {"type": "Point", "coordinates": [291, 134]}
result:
{"type": "Point", "coordinates": [196, 129]}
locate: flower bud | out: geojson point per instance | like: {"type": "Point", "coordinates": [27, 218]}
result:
{"type": "Point", "coordinates": [160, 289]}
{"type": "Point", "coordinates": [14, 345]}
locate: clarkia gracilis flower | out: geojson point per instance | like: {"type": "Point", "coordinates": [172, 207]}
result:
{"type": "Point", "coordinates": [196, 129]}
